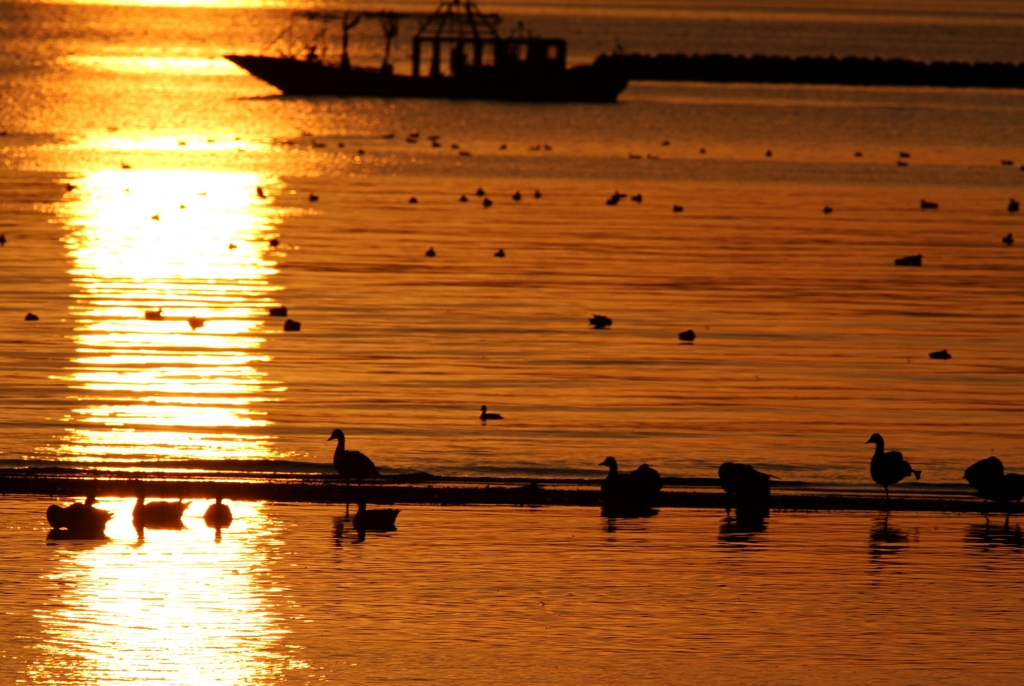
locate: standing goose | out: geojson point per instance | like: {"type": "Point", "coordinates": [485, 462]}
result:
{"type": "Point", "coordinates": [351, 464]}
{"type": "Point", "coordinates": [888, 468]}
{"type": "Point", "coordinates": [748, 489]}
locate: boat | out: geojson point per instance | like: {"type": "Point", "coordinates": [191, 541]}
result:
{"type": "Point", "coordinates": [457, 53]}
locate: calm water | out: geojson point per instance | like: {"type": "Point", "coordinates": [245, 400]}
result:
{"type": "Point", "coordinates": [511, 596]}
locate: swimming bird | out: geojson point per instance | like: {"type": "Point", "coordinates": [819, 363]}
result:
{"type": "Point", "coordinates": [926, 205]}
{"type": "Point", "coordinates": [827, 210]}
{"type": "Point", "coordinates": [677, 208]}
{"type": "Point", "coordinates": [155, 315]}
{"type": "Point", "coordinates": [274, 242]}
{"type": "Point", "coordinates": [281, 311]}
{"type": "Point", "coordinates": [638, 198]}
{"type": "Point", "coordinates": [313, 197]}
{"type": "Point", "coordinates": [78, 520]}
{"type": "Point", "coordinates": [909, 261]}
{"type": "Point", "coordinates": [3, 240]}
{"type": "Point", "coordinates": [479, 191]}
{"type": "Point", "coordinates": [292, 325]}
{"type": "Point", "coordinates": [517, 196]}
{"type": "Point", "coordinates": [70, 187]}
{"type": "Point", "coordinates": [351, 464]}
{"type": "Point", "coordinates": [500, 253]}
{"type": "Point", "coordinates": [485, 415]}
{"type": "Point", "coordinates": [1013, 206]}
{"type": "Point", "coordinates": [888, 468]}
{"type": "Point", "coordinates": [159, 514]}
{"type": "Point", "coordinates": [636, 491]}
{"type": "Point", "coordinates": [413, 200]}
{"type": "Point", "coordinates": [748, 489]}
{"type": "Point", "coordinates": [901, 163]}
{"type": "Point", "coordinates": [768, 153]}
{"type": "Point", "coordinates": [430, 252]}
{"type": "Point", "coordinates": [374, 520]}
{"type": "Point", "coordinates": [31, 317]}
{"type": "Point", "coordinates": [218, 515]}
{"type": "Point", "coordinates": [599, 321]}
{"type": "Point", "coordinates": [904, 154]}
{"type": "Point", "coordinates": [487, 202]}
{"type": "Point", "coordinates": [940, 355]}
{"type": "Point", "coordinates": [536, 195]}
{"type": "Point", "coordinates": [156, 217]}
{"type": "Point", "coordinates": [615, 198]}
{"type": "Point", "coordinates": [196, 322]}
{"type": "Point", "coordinates": [231, 246]}
{"type": "Point", "coordinates": [687, 336]}
{"type": "Point", "coordinates": [463, 198]}
{"type": "Point", "coordinates": [1008, 238]}
{"type": "Point", "coordinates": [259, 192]}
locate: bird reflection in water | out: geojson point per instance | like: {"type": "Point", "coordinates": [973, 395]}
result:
{"type": "Point", "coordinates": [744, 526]}
{"type": "Point", "coordinates": [988, 537]}
{"type": "Point", "coordinates": [886, 540]}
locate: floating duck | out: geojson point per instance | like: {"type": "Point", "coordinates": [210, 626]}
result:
{"type": "Point", "coordinates": [500, 253]}
{"type": "Point", "coordinates": [274, 242]}
{"type": "Point", "coordinates": [196, 322]}
{"type": "Point", "coordinates": [430, 252]}
{"type": "Point", "coordinates": [292, 325]}
{"type": "Point", "coordinates": [677, 208]}
{"type": "Point", "coordinates": [374, 520]}
{"type": "Point", "coordinates": [480, 192]}
{"type": "Point", "coordinates": [351, 464]}
{"type": "Point", "coordinates": [1013, 206]}
{"type": "Point", "coordinates": [629, 493]}
{"type": "Point", "coordinates": [599, 321]}
{"type": "Point", "coordinates": [3, 240]}
{"type": "Point", "coordinates": [155, 315]}
{"type": "Point", "coordinates": [940, 355]}
{"type": "Point", "coordinates": [485, 415]}
{"type": "Point", "coordinates": [218, 515]}
{"type": "Point", "coordinates": [909, 261]}
{"type": "Point", "coordinates": [413, 200]}
{"type": "Point", "coordinates": [638, 198]}
{"type": "Point", "coordinates": [313, 197]}
{"type": "Point", "coordinates": [517, 196]}
{"type": "Point", "coordinates": [487, 202]}
{"type": "Point", "coordinates": [1008, 238]}
{"type": "Point", "coordinates": [687, 336]}
{"type": "Point", "coordinates": [159, 514]}
{"type": "Point", "coordinates": [463, 198]}
{"type": "Point", "coordinates": [536, 195]}
{"type": "Point", "coordinates": [31, 317]}
{"type": "Point", "coordinates": [281, 311]}
{"type": "Point", "coordinates": [888, 468]}
{"type": "Point", "coordinates": [927, 205]}
{"type": "Point", "coordinates": [78, 520]}
{"type": "Point", "coordinates": [827, 210]}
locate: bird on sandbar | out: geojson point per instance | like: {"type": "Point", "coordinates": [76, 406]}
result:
{"type": "Point", "coordinates": [888, 468]}
{"type": "Point", "coordinates": [987, 476]}
{"type": "Point", "coordinates": [747, 488]}
{"type": "Point", "coordinates": [351, 464]}
{"type": "Point", "coordinates": [485, 415]}
{"type": "Point", "coordinates": [374, 520]}
{"type": "Point", "coordinates": [636, 491]}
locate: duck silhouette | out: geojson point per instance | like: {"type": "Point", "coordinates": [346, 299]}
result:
{"type": "Point", "coordinates": [218, 516]}
{"type": "Point", "coordinates": [993, 484]}
{"type": "Point", "coordinates": [159, 514]}
{"type": "Point", "coordinates": [888, 468]}
{"type": "Point", "coordinates": [78, 520]}
{"type": "Point", "coordinates": [599, 321]}
{"type": "Point", "coordinates": [351, 464]}
{"type": "Point", "coordinates": [485, 415]}
{"type": "Point", "coordinates": [1008, 238]}
{"type": "Point", "coordinates": [635, 492]}
{"type": "Point", "coordinates": [748, 489]}
{"type": "Point", "coordinates": [374, 520]}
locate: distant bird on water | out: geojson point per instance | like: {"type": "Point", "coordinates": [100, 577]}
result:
{"type": "Point", "coordinates": [31, 317]}
{"type": "Point", "coordinates": [485, 415]}
{"type": "Point", "coordinates": [748, 489]}
{"type": "Point", "coordinates": [909, 261]}
{"type": "Point", "coordinates": [1013, 206]}
{"type": "Point", "coordinates": [500, 253]}
{"type": "Point", "coordinates": [687, 336]}
{"type": "Point", "coordinates": [3, 240]}
{"type": "Point", "coordinates": [940, 355]}
{"type": "Point", "coordinates": [1007, 239]}
{"type": "Point", "coordinates": [888, 468]}
{"type": "Point", "coordinates": [430, 252]}
{"type": "Point", "coordinates": [218, 515]}
{"type": "Point", "coordinates": [926, 205]}
{"type": "Point", "coordinates": [599, 321]}
{"type": "Point", "coordinates": [155, 315]}
{"type": "Point", "coordinates": [517, 196]}
{"type": "Point", "coordinates": [351, 464]}
{"type": "Point", "coordinates": [159, 514]}
{"type": "Point", "coordinates": [196, 322]}
{"type": "Point", "coordinates": [259, 192]}
{"type": "Point", "coordinates": [636, 491]}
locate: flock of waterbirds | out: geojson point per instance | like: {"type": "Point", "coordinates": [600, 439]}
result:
{"type": "Point", "coordinates": [623, 495]}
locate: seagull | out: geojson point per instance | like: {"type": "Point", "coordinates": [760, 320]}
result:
{"type": "Point", "coordinates": [351, 464]}
{"type": "Point", "coordinates": [485, 415]}
{"type": "Point", "coordinates": [888, 468]}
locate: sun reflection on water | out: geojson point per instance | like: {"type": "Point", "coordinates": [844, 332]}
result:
{"type": "Point", "coordinates": [151, 254]}
{"type": "Point", "coordinates": [144, 611]}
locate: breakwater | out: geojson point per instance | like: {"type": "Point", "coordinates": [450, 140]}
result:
{"type": "Point", "coordinates": [859, 71]}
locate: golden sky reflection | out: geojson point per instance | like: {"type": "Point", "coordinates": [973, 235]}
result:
{"type": "Point", "coordinates": [131, 611]}
{"type": "Point", "coordinates": [141, 241]}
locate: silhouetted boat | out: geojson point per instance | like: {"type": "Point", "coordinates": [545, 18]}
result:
{"type": "Point", "coordinates": [518, 67]}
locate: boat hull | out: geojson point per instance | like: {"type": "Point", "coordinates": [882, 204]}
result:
{"type": "Point", "coordinates": [299, 77]}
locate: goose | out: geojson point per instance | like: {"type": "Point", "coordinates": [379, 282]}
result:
{"type": "Point", "coordinates": [599, 321]}
{"type": "Point", "coordinates": [280, 311]}
{"type": "Point", "coordinates": [274, 242]}
{"type": "Point", "coordinates": [413, 200]}
{"type": "Point", "coordinates": [677, 208]}
{"type": "Point", "coordinates": [485, 415]}
{"type": "Point", "coordinates": [292, 325]}
{"type": "Point", "coordinates": [196, 322]}
{"type": "Point", "coordinates": [463, 198]}
{"type": "Point", "coordinates": [987, 476]}
{"type": "Point", "coordinates": [687, 336]}
{"type": "Point", "coordinates": [1008, 238]}
{"type": "Point", "coordinates": [909, 261]}
{"type": "Point", "coordinates": [637, 490]}
{"type": "Point", "coordinates": [748, 489]}
{"type": "Point", "coordinates": [218, 515]}
{"type": "Point", "coordinates": [926, 205]}
{"type": "Point", "coordinates": [313, 197]}
{"type": "Point", "coordinates": [78, 520]}
{"type": "Point", "coordinates": [500, 253]}
{"type": "Point", "coordinates": [351, 464]}
{"type": "Point", "coordinates": [31, 317]}
{"type": "Point", "coordinates": [159, 514]}
{"type": "Point", "coordinates": [827, 210]}
{"type": "Point", "coordinates": [374, 520]}
{"type": "Point", "coordinates": [155, 315]}
{"type": "Point", "coordinates": [888, 468]}
{"type": "Point", "coordinates": [430, 252]}
{"type": "Point", "coordinates": [940, 355]}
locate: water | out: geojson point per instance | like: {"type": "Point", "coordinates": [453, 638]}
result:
{"type": "Point", "coordinates": [472, 595]}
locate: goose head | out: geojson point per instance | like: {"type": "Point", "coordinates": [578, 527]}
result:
{"type": "Point", "coordinates": [876, 438]}
{"type": "Point", "coordinates": [611, 464]}
{"type": "Point", "coordinates": [337, 434]}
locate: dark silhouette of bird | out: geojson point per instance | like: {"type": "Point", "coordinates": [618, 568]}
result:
{"type": "Point", "coordinates": [926, 205]}
{"type": "Point", "coordinates": [687, 336]}
{"type": "Point", "coordinates": [1013, 206]}
{"type": "Point", "coordinates": [430, 252]}
{"type": "Point", "coordinates": [259, 192]}
{"type": "Point", "coordinates": [70, 187]}
{"type": "Point", "coordinates": [485, 415]}
{"type": "Point", "coordinates": [536, 195]}
{"type": "Point", "coordinates": [858, 154]}
{"type": "Point", "coordinates": [351, 464]}
{"type": "Point", "coordinates": [281, 311]}
{"type": "Point", "coordinates": [3, 240]}
{"type": "Point", "coordinates": [374, 520]}
{"type": "Point", "coordinates": [413, 200]}
{"type": "Point", "coordinates": [748, 489]}
{"type": "Point", "coordinates": [500, 253]}
{"type": "Point", "coordinates": [313, 197]}
{"type": "Point", "coordinates": [993, 484]}
{"type": "Point", "coordinates": [292, 325]}
{"type": "Point", "coordinates": [599, 321]}
{"type": "Point", "coordinates": [633, 492]}
{"type": "Point", "coordinates": [904, 154]}
{"type": "Point", "coordinates": [638, 198]}
{"type": "Point", "coordinates": [159, 514]}
{"type": "Point", "coordinates": [155, 315]}
{"type": "Point", "coordinates": [827, 210]}
{"type": "Point", "coordinates": [677, 208]}
{"type": "Point", "coordinates": [767, 153]}
{"type": "Point", "coordinates": [479, 191]}
{"type": "Point", "coordinates": [78, 520]}
{"type": "Point", "coordinates": [909, 261]}
{"type": "Point", "coordinates": [156, 217]}
{"type": "Point", "coordinates": [231, 246]}
{"type": "Point", "coordinates": [901, 163]}
{"type": "Point", "coordinates": [218, 515]}
{"type": "Point", "coordinates": [463, 198]}
{"type": "Point", "coordinates": [615, 198]}
{"type": "Point", "coordinates": [487, 202]}
{"type": "Point", "coordinates": [196, 322]}
{"type": "Point", "coordinates": [888, 468]}
{"type": "Point", "coordinates": [1008, 238]}
{"type": "Point", "coordinates": [274, 242]}
{"type": "Point", "coordinates": [31, 317]}
{"type": "Point", "coordinates": [517, 196]}
{"type": "Point", "coordinates": [940, 355]}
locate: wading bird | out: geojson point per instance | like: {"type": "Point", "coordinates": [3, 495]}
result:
{"type": "Point", "coordinates": [888, 468]}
